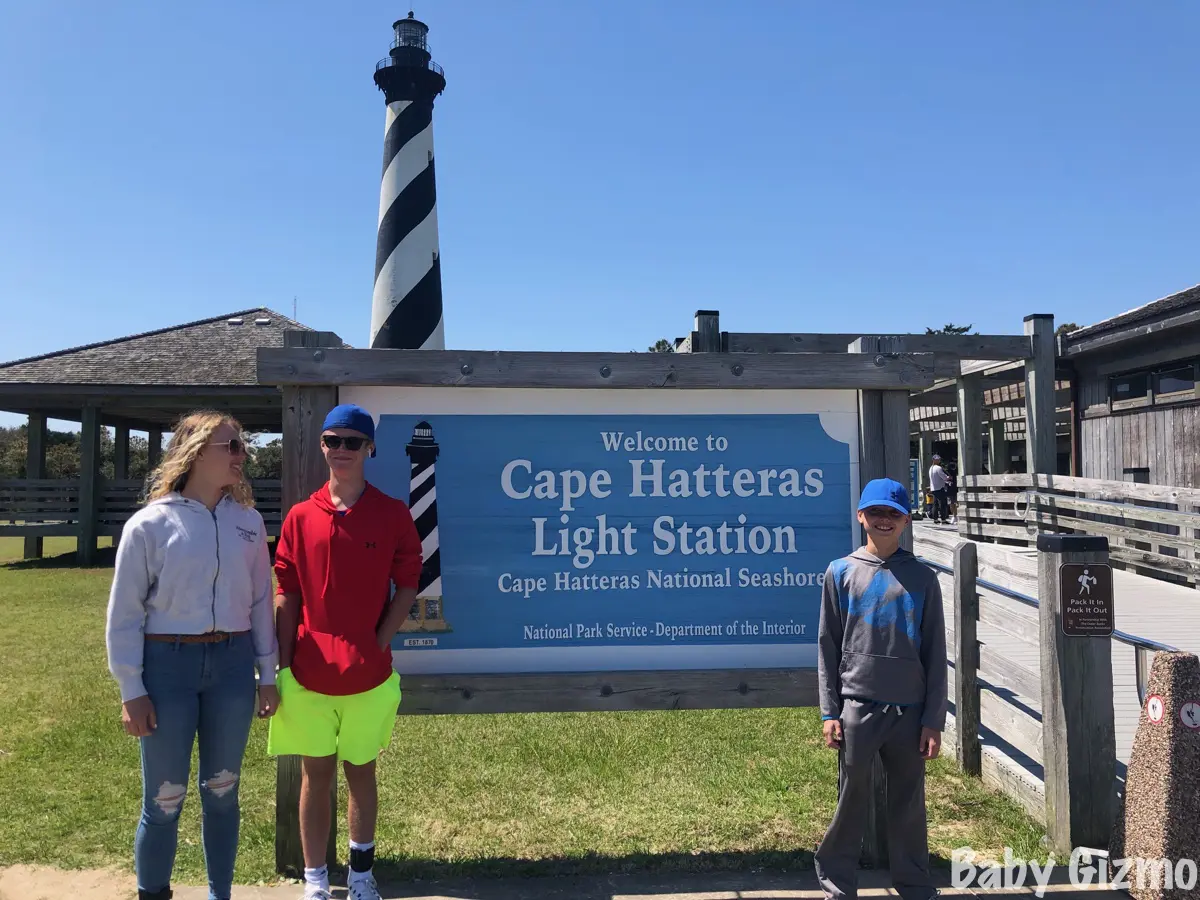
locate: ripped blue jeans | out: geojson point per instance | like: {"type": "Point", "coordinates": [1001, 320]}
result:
{"type": "Point", "coordinates": [204, 692]}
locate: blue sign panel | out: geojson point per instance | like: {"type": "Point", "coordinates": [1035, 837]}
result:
{"type": "Point", "coordinates": [617, 540]}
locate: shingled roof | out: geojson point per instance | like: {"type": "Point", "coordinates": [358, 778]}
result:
{"type": "Point", "coordinates": [1159, 308]}
{"type": "Point", "coordinates": [221, 351]}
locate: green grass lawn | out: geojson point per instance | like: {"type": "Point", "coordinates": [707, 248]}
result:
{"type": "Point", "coordinates": [479, 794]}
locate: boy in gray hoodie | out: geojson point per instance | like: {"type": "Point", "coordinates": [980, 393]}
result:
{"type": "Point", "coordinates": [881, 670]}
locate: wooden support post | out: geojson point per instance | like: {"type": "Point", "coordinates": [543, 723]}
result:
{"type": "Point", "coordinates": [89, 484]}
{"type": "Point", "coordinates": [970, 438]}
{"type": "Point", "coordinates": [304, 470]}
{"type": "Point", "coordinates": [153, 448]}
{"type": "Point", "coordinates": [970, 425]}
{"type": "Point", "coordinates": [707, 336]}
{"type": "Point", "coordinates": [966, 659]}
{"type": "Point", "coordinates": [120, 466]}
{"type": "Point", "coordinates": [1079, 745]}
{"type": "Point", "coordinates": [1041, 451]}
{"type": "Point", "coordinates": [997, 447]}
{"type": "Point", "coordinates": [35, 467]}
{"type": "Point", "coordinates": [121, 452]}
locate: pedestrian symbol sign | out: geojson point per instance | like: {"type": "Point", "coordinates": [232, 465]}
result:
{"type": "Point", "coordinates": [1154, 708]}
{"type": "Point", "coordinates": [1189, 714]}
{"type": "Point", "coordinates": [1085, 592]}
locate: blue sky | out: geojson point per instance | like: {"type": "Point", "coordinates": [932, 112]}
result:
{"type": "Point", "coordinates": [604, 169]}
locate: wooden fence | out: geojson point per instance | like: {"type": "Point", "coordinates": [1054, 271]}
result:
{"type": "Point", "coordinates": [1151, 529]}
{"type": "Point", "coordinates": [49, 507]}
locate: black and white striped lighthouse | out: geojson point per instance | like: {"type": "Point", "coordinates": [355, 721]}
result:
{"type": "Point", "coordinates": [406, 308]}
{"type": "Point", "coordinates": [422, 451]}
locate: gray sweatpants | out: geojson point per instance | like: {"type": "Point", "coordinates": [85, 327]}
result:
{"type": "Point", "coordinates": [895, 734]}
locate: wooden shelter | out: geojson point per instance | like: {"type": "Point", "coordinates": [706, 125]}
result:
{"type": "Point", "coordinates": [1126, 401]}
{"type": "Point", "coordinates": [141, 382]}
{"type": "Point", "coordinates": [1137, 384]}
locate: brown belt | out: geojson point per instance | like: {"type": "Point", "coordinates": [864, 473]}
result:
{"type": "Point", "coordinates": [210, 637]}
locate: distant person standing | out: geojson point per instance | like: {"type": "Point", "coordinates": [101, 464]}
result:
{"type": "Point", "coordinates": [939, 482]}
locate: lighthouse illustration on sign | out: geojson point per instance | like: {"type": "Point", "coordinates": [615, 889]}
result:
{"type": "Point", "coordinates": [427, 613]}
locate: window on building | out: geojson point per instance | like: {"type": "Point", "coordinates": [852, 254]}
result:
{"type": "Point", "coordinates": [1129, 387]}
{"type": "Point", "coordinates": [1177, 380]}
{"type": "Point", "coordinates": [1171, 382]}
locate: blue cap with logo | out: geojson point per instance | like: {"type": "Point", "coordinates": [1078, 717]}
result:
{"type": "Point", "coordinates": [352, 416]}
{"type": "Point", "coordinates": [885, 492]}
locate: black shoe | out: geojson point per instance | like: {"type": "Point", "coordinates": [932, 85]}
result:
{"type": "Point", "coordinates": [164, 894]}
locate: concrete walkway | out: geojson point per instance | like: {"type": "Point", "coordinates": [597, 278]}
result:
{"type": "Point", "coordinates": [715, 886]}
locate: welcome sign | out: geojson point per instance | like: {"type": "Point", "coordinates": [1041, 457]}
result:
{"type": "Point", "coordinates": [601, 530]}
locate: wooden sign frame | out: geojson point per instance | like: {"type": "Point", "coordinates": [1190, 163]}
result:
{"type": "Point", "coordinates": [310, 378]}
{"type": "Point", "coordinates": [312, 366]}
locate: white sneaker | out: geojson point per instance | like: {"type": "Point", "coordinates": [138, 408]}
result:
{"type": "Point", "coordinates": [363, 888]}
{"type": "Point", "coordinates": [315, 892]}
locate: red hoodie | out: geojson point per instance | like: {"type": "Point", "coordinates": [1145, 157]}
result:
{"type": "Point", "coordinates": [340, 563]}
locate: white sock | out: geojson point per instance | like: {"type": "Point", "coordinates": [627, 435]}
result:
{"type": "Point", "coordinates": [317, 877]}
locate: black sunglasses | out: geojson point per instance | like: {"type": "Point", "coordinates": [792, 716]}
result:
{"type": "Point", "coordinates": [233, 446]}
{"type": "Point", "coordinates": [335, 442]}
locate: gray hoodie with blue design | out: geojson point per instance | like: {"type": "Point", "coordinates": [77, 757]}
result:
{"type": "Point", "coordinates": [882, 635]}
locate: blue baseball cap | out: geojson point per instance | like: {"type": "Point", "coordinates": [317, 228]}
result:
{"type": "Point", "coordinates": [352, 416]}
{"type": "Point", "coordinates": [885, 492]}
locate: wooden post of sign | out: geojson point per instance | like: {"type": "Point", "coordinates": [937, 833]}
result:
{"type": "Point", "coordinates": [89, 484]}
{"type": "Point", "coordinates": [966, 658]}
{"type": "Point", "coordinates": [1079, 746]}
{"type": "Point", "coordinates": [897, 456]}
{"type": "Point", "coordinates": [304, 470]}
{"type": "Point", "coordinates": [35, 467]}
{"type": "Point", "coordinates": [1041, 441]}
{"type": "Point", "coordinates": [872, 464]}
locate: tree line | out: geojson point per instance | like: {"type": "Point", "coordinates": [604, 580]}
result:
{"type": "Point", "coordinates": [62, 455]}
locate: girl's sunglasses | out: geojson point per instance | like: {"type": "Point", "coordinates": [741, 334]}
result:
{"type": "Point", "coordinates": [233, 446]}
{"type": "Point", "coordinates": [335, 442]}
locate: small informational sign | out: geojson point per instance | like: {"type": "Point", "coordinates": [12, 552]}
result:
{"type": "Point", "coordinates": [1189, 715]}
{"type": "Point", "coordinates": [1154, 708]}
{"type": "Point", "coordinates": [574, 531]}
{"type": "Point", "coordinates": [1087, 599]}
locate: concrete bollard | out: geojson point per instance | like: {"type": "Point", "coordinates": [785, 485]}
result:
{"type": "Point", "coordinates": [1158, 825]}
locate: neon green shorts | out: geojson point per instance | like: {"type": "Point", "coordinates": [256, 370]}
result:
{"type": "Point", "coordinates": [356, 726]}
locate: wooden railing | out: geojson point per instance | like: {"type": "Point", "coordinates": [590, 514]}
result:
{"type": "Point", "coordinates": [39, 506]}
{"type": "Point", "coordinates": [49, 507]}
{"type": "Point", "coordinates": [1151, 529]}
{"type": "Point", "coordinates": [995, 682]}
{"type": "Point", "coordinates": [999, 680]}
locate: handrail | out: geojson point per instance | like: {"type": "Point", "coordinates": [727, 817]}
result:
{"type": "Point", "coordinates": [389, 61]}
{"type": "Point", "coordinates": [1142, 647]}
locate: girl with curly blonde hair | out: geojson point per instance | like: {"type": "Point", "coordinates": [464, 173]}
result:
{"type": "Point", "coordinates": [190, 619]}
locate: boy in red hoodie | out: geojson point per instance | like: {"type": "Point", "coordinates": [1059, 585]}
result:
{"type": "Point", "coordinates": [338, 553]}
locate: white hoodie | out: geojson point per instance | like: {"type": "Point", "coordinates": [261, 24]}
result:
{"type": "Point", "coordinates": [183, 569]}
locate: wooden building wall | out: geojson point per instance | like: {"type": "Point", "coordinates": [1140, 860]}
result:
{"type": "Point", "coordinates": [1159, 432]}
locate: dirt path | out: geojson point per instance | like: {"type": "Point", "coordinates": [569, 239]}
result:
{"type": "Point", "coordinates": [44, 883]}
